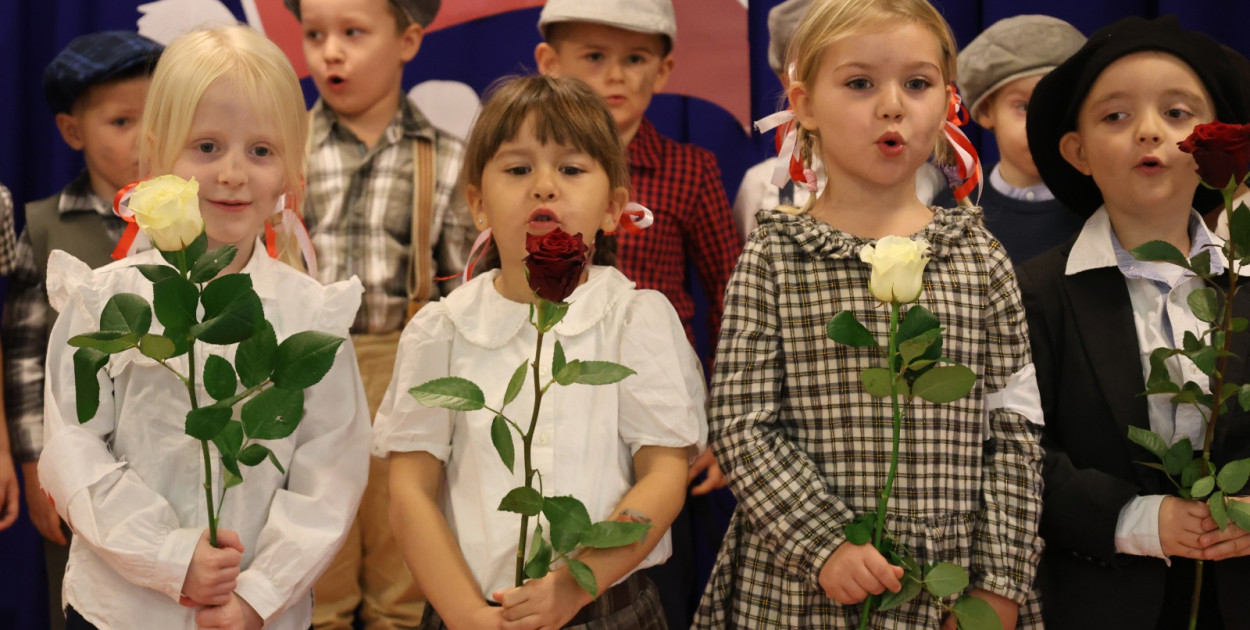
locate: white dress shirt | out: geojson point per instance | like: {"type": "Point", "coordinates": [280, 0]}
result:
{"type": "Point", "coordinates": [1161, 316]}
{"type": "Point", "coordinates": [130, 481]}
{"type": "Point", "coordinates": [586, 436]}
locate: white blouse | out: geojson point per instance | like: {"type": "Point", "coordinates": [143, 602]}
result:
{"type": "Point", "coordinates": [130, 482]}
{"type": "Point", "coordinates": [478, 334]}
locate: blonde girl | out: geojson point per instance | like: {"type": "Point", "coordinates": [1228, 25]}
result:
{"type": "Point", "coordinates": [806, 450]}
{"type": "Point", "coordinates": [225, 108]}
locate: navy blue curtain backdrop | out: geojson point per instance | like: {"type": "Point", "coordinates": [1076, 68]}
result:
{"type": "Point", "coordinates": [34, 162]}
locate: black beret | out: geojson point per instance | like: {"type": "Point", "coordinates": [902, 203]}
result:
{"type": "Point", "coordinates": [1058, 97]}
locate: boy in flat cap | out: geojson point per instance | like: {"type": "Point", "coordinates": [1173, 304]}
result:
{"type": "Point", "coordinates": [997, 74]}
{"type": "Point", "coordinates": [384, 203]}
{"type": "Point", "coordinates": [1103, 128]}
{"type": "Point", "coordinates": [96, 88]}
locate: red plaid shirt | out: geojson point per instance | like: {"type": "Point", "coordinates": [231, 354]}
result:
{"type": "Point", "coordinates": [681, 184]}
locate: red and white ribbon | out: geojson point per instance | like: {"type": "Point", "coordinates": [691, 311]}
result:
{"type": "Point", "coordinates": [475, 254]}
{"type": "Point", "coordinates": [129, 239]}
{"type": "Point", "coordinates": [635, 218]}
{"type": "Point", "coordinates": [291, 225]}
{"type": "Point", "coordinates": [967, 162]}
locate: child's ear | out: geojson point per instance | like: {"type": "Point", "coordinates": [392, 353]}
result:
{"type": "Point", "coordinates": [802, 105]}
{"type": "Point", "coordinates": [67, 124]}
{"type": "Point", "coordinates": [473, 196]}
{"type": "Point", "coordinates": [666, 71]}
{"type": "Point", "coordinates": [984, 114]}
{"type": "Point", "coordinates": [410, 41]}
{"type": "Point", "coordinates": [547, 59]}
{"type": "Point", "coordinates": [1072, 148]}
{"type": "Point", "coordinates": [616, 205]}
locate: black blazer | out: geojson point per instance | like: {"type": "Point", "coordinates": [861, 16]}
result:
{"type": "Point", "coordinates": [1090, 376]}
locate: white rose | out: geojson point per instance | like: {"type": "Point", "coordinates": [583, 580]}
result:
{"type": "Point", "coordinates": [897, 268]}
{"type": "Point", "coordinates": [167, 209]}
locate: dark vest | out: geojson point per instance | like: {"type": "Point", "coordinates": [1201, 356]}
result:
{"type": "Point", "coordinates": [84, 234]}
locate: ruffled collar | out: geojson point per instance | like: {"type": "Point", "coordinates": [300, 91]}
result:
{"type": "Point", "coordinates": [489, 320]}
{"type": "Point", "coordinates": [823, 241]}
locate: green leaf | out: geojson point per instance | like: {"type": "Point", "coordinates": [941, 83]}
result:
{"type": "Point", "coordinates": [157, 273]}
{"type": "Point", "coordinates": [911, 588]}
{"type": "Point", "coordinates": [549, 314]}
{"type": "Point", "coordinates": [126, 313]}
{"type": "Point", "coordinates": [211, 264]}
{"type": "Point", "coordinates": [1189, 474]}
{"type": "Point", "coordinates": [1159, 368]}
{"type": "Point", "coordinates": [584, 576]}
{"type": "Point", "coordinates": [175, 301]}
{"type": "Point", "coordinates": [450, 392]}
{"type": "Point", "coordinates": [1239, 513]}
{"type": "Point", "coordinates": [273, 459]}
{"type": "Point", "coordinates": [501, 437]}
{"type": "Point", "coordinates": [254, 453]}
{"type": "Point", "coordinates": [946, 383]}
{"type": "Point", "coordinates": [206, 423]}
{"type": "Point", "coordinates": [557, 358]}
{"type": "Point", "coordinates": [974, 613]}
{"type": "Point", "coordinates": [1177, 456]}
{"type": "Point", "coordinates": [1204, 358]}
{"type": "Point", "coordinates": [568, 520]}
{"type": "Point", "coordinates": [876, 382]}
{"type": "Point", "coordinates": [847, 330]}
{"type": "Point", "coordinates": [87, 363]}
{"type": "Point", "coordinates": [1204, 304]}
{"type": "Point", "coordinates": [106, 342]}
{"type": "Point", "coordinates": [1202, 487]}
{"type": "Point", "coordinates": [859, 531]}
{"type": "Point", "coordinates": [1148, 440]}
{"type": "Point", "coordinates": [539, 562]}
{"type": "Point", "coordinates": [219, 379]}
{"type": "Point", "coordinates": [568, 374]}
{"type": "Point", "coordinates": [254, 358]}
{"type": "Point", "coordinates": [1190, 341]}
{"type": "Point", "coordinates": [230, 440]}
{"type": "Point", "coordinates": [232, 310]}
{"type": "Point", "coordinates": [273, 414]}
{"type": "Point", "coordinates": [229, 478]}
{"type": "Point", "coordinates": [1239, 324]}
{"type": "Point", "coordinates": [601, 373]}
{"type": "Point", "coordinates": [157, 347]}
{"type": "Point", "coordinates": [1160, 251]}
{"type": "Point", "coordinates": [514, 384]}
{"type": "Point", "coordinates": [945, 579]}
{"type": "Point", "coordinates": [1239, 229]}
{"type": "Point", "coordinates": [1243, 398]}
{"type": "Point", "coordinates": [304, 358]}
{"type": "Point", "coordinates": [917, 346]}
{"type": "Point", "coordinates": [916, 321]}
{"type": "Point", "coordinates": [191, 254]}
{"type": "Point", "coordinates": [523, 500]}
{"type": "Point", "coordinates": [1219, 513]}
{"type": "Point", "coordinates": [1233, 476]}
{"type": "Point", "coordinates": [1201, 264]}
{"type": "Point", "coordinates": [609, 534]}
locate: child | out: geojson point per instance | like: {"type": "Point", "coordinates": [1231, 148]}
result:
{"type": "Point", "coordinates": [1104, 128]}
{"type": "Point", "coordinates": [95, 88]}
{"type": "Point", "coordinates": [623, 50]}
{"type": "Point", "coordinates": [805, 448]}
{"type": "Point", "coordinates": [543, 153]}
{"type": "Point", "coordinates": [226, 108]}
{"type": "Point", "coordinates": [384, 203]}
{"type": "Point", "coordinates": [997, 72]}
{"type": "Point", "coordinates": [757, 191]}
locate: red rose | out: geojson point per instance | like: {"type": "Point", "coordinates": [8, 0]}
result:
{"type": "Point", "coordinates": [555, 263]}
{"type": "Point", "coordinates": [1222, 152]}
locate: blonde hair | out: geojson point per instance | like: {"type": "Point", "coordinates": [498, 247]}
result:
{"type": "Point", "coordinates": [830, 21]}
{"type": "Point", "coordinates": [262, 76]}
{"type": "Point", "coordinates": [565, 111]}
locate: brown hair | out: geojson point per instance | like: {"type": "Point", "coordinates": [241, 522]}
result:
{"type": "Point", "coordinates": [563, 110]}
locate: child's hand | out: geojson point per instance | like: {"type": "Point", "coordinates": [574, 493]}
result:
{"type": "Point", "coordinates": [715, 479]}
{"type": "Point", "coordinates": [1181, 524]}
{"type": "Point", "coordinates": [548, 602]}
{"type": "Point", "coordinates": [42, 514]}
{"type": "Point", "coordinates": [1220, 545]}
{"type": "Point", "coordinates": [1008, 611]}
{"type": "Point", "coordinates": [237, 614]}
{"type": "Point", "coordinates": [211, 576]}
{"type": "Point", "coordinates": [855, 571]}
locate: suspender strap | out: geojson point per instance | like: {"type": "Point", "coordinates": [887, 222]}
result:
{"type": "Point", "coordinates": [421, 278]}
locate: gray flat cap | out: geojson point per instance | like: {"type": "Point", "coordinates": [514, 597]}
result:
{"type": "Point", "coordinates": [644, 16]}
{"type": "Point", "coordinates": [782, 20]}
{"type": "Point", "coordinates": [1014, 48]}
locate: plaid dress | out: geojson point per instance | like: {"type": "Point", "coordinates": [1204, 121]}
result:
{"type": "Point", "coordinates": [806, 449]}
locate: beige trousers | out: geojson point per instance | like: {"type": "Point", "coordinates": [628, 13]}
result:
{"type": "Point", "coordinates": [369, 572]}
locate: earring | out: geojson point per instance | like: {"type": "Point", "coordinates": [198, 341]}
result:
{"type": "Point", "coordinates": [479, 220]}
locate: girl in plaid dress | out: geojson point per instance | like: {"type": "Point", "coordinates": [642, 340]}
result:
{"type": "Point", "coordinates": [805, 449]}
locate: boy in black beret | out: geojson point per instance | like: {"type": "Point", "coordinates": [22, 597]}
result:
{"type": "Point", "coordinates": [96, 88]}
{"type": "Point", "coordinates": [1103, 128]}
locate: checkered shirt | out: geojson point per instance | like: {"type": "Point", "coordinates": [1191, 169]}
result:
{"type": "Point", "coordinates": [681, 185]}
{"type": "Point", "coordinates": [8, 240]}
{"type": "Point", "coordinates": [359, 211]}
{"type": "Point", "coordinates": [806, 449]}
{"type": "Point", "coordinates": [28, 320]}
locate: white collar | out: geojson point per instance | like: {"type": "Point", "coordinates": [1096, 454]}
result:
{"type": "Point", "coordinates": [489, 320]}
{"type": "Point", "coordinates": [1093, 248]}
